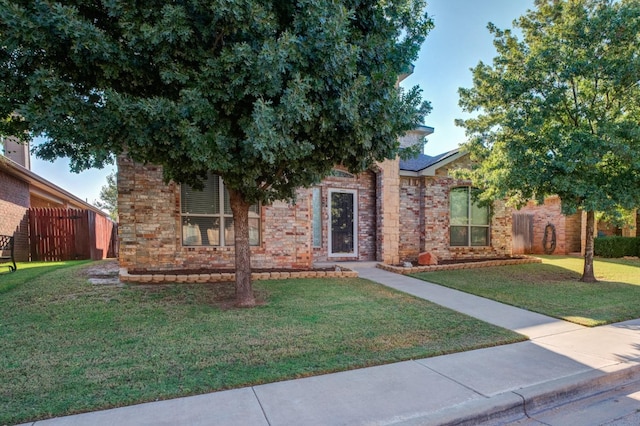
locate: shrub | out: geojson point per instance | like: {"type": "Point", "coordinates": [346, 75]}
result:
{"type": "Point", "coordinates": [616, 246]}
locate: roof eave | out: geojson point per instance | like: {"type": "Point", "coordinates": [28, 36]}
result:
{"type": "Point", "coordinates": [453, 156]}
{"type": "Point", "coordinates": [433, 168]}
{"type": "Point", "coordinates": [424, 130]}
{"type": "Point", "coordinates": [43, 186]}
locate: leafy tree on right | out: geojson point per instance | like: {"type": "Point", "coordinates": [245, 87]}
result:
{"type": "Point", "coordinates": [558, 111]}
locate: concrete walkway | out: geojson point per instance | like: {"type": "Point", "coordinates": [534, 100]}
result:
{"type": "Point", "coordinates": [562, 361]}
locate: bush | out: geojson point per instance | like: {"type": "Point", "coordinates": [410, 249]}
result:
{"type": "Point", "coordinates": [616, 246]}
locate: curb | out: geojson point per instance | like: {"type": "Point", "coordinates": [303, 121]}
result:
{"type": "Point", "coordinates": [544, 396]}
{"type": "Point", "coordinates": [522, 403]}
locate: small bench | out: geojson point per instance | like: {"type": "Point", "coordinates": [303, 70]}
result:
{"type": "Point", "coordinates": [6, 251]}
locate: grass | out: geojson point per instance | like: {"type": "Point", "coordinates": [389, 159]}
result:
{"type": "Point", "coordinates": [27, 271]}
{"type": "Point", "coordinates": [70, 346]}
{"type": "Point", "coordinates": [552, 288]}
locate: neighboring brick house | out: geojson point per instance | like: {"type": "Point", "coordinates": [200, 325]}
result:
{"type": "Point", "coordinates": [21, 189]}
{"type": "Point", "coordinates": [390, 213]}
{"type": "Point", "coordinates": [569, 230]}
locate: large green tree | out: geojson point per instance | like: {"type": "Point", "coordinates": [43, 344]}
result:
{"type": "Point", "coordinates": [270, 95]}
{"type": "Point", "coordinates": [558, 111]}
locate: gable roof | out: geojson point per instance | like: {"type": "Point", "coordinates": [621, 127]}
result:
{"type": "Point", "coordinates": [426, 165]}
{"type": "Point", "coordinates": [42, 188]}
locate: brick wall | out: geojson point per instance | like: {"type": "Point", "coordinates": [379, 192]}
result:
{"type": "Point", "coordinates": [424, 219]}
{"type": "Point", "coordinates": [14, 202]}
{"type": "Point", "coordinates": [286, 234]}
{"type": "Point", "coordinates": [150, 228]}
{"type": "Point", "coordinates": [412, 200]}
{"type": "Point", "coordinates": [572, 233]}
{"type": "Point", "coordinates": [365, 186]}
{"type": "Point", "coordinates": [568, 228]}
{"type": "Point", "coordinates": [397, 219]}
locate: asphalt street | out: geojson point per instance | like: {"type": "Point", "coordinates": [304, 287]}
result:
{"type": "Point", "coordinates": [617, 407]}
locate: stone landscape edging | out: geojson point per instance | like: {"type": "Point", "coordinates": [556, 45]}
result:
{"type": "Point", "coordinates": [126, 277]}
{"type": "Point", "coordinates": [456, 266]}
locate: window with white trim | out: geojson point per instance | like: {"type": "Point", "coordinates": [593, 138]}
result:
{"type": "Point", "coordinates": [468, 222]}
{"type": "Point", "coordinates": [206, 216]}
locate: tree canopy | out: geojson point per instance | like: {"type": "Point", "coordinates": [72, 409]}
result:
{"type": "Point", "coordinates": [279, 87]}
{"type": "Point", "coordinates": [559, 109]}
{"type": "Point", "coordinates": [270, 95]}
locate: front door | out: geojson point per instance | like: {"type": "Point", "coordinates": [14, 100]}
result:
{"type": "Point", "coordinates": [343, 226]}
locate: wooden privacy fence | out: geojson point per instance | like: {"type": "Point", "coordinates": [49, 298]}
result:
{"type": "Point", "coordinates": [522, 233]}
{"type": "Point", "coordinates": [66, 234]}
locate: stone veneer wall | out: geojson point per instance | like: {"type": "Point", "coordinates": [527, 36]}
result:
{"type": "Point", "coordinates": [388, 207]}
{"type": "Point", "coordinates": [365, 186]}
{"type": "Point", "coordinates": [150, 234]}
{"type": "Point", "coordinates": [14, 202]}
{"type": "Point", "coordinates": [568, 228]}
{"type": "Point", "coordinates": [426, 229]}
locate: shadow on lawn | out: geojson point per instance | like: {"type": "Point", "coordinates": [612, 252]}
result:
{"type": "Point", "coordinates": [27, 271]}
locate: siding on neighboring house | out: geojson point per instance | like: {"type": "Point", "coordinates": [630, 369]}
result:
{"type": "Point", "coordinates": [21, 189]}
{"type": "Point", "coordinates": [39, 202]}
{"type": "Point", "coordinates": [14, 202]}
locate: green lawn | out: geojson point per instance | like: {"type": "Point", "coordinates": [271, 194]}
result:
{"type": "Point", "coordinates": [70, 346]}
{"type": "Point", "coordinates": [27, 271]}
{"type": "Point", "coordinates": [552, 288]}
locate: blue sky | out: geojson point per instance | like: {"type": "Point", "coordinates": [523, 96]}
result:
{"type": "Point", "coordinates": [456, 44]}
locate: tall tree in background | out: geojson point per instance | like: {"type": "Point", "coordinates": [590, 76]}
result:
{"type": "Point", "coordinates": [559, 110]}
{"type": "Point", "coordinates": [270, 95]}
{"type": "Point", "coordinates": [109, 197]}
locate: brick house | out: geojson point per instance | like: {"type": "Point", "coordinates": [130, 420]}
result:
{"type": "Point", "coordinates": [21, 189]}
{"type": "Point", "coordinates": [438, 215]}
{"type": "Point", "coordinates": [569, 230]}
{"type": "Point", "coordinates": [389, 213]}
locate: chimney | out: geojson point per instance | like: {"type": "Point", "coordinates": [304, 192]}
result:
{"type": "Point", "coordinates": [415, 137]}
{"type": "Point", "coordinates": [17, 152]}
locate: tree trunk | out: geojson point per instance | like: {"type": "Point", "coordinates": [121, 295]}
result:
{"type": "Point", "coordinates": [587, 274]}
{"type": "Point", "coordinates": [240, 210]}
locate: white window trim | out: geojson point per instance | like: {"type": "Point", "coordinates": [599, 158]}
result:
{"type": "Point", "coordinates": [223, 219]}
{"type": "Point", "coordinates": [469, 225]}
{"type": "Point", "coordinates": [355, 223]}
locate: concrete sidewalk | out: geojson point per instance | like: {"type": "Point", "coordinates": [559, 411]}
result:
{"type": "Point", "coordinates": [562, 361]}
